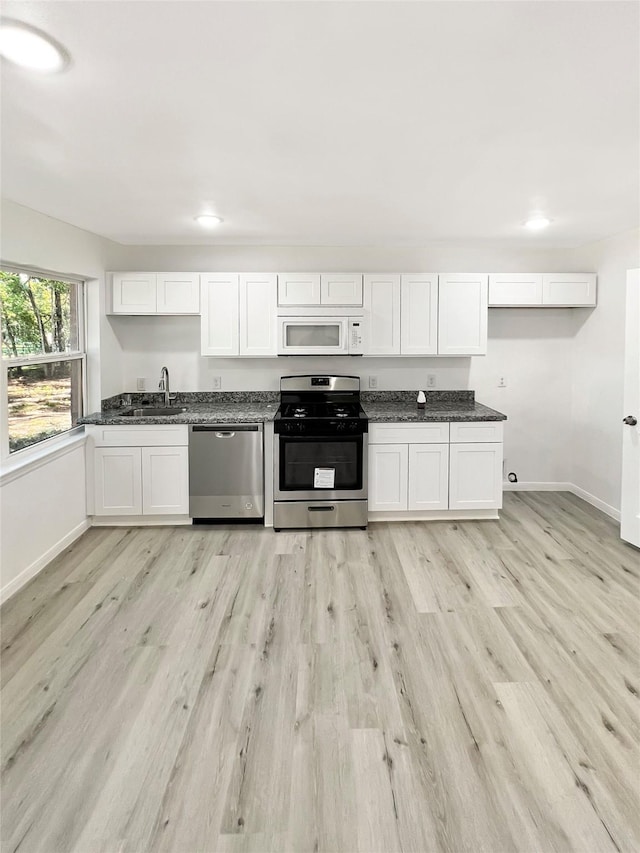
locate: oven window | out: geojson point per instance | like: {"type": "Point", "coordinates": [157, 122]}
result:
{"type": "Point", "coordinates": [300, 456]}
{"type": "Point", "coordinates": [309, 335]}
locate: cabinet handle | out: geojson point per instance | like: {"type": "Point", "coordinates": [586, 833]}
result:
{"type": "Point", "coordinates": [225, 434]}
{"type": "Point", "coordinates": [630, 420]}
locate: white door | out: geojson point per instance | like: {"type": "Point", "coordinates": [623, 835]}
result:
{"type": "Point", "coordinates": [569, 289]}
{"type": "Point", "coordinates": [134, 293]}
{"type": "Point", "coordinates": [428, 476]}
{"type": "Point", "coordinates": [165, 480]}
{"type": "Point", "coordinates": [510, 289]}
{"type": "Point", "coordinates": [388, 472]}
{"type": "Point", "coordinates": [258, 321]}
{"type": "Point", "coordinates": [178, 293]}
{"type": "Point", "coordinates": [419, 314]}
{"type": "Point", "coordinates": [298, 288]}
{"type": "Point", "coordinates": [382, 314]}
{"type": "Point", "coordinates": [341, 288]}
{"type": "Point", "coordinates": [475, 476]}
{"type": "Point", "coordinates": [117, 480]}
{"type": "Point", "coordinates": [219, 306]}
{"type": "Point", "coordinates": [630, 503]}
{"type": "Point", "coordinates": [463, 312]}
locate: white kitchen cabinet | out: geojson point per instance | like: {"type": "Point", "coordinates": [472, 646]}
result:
{"type": "Point", "coordinates": [462, 314]}
{"type": "Point", "coordinates": [382, 314]}
{"type": "Point", "coordinates": [515, 289]}
{"type": "Point", "coordinates": [117, 480]}
{"type": "Point", "coordinates": [165, 480]}
{"type": "Point", "coordinates": [133, 293]}
{"type": "Point", "coordinates": [569, 290]}
{"type": "Point", "coordinates": [220, 314]}
{"type": "Point", "coordinates": [155, 293]}
{"type": "Point", "coordinates": [419, 314]}
{"type": "Point", "coordinates": [341, 289]}
{"type": "Point", "coordinates": [388, 477]}
{"type": "Point", "coordinates": [428, 476]}
{"type": "Point", "coordinates": [299, 289]}
{"type": "Point", "coordinates": [178, 293]}
{"type": "Point", "coordinates": [475, 476]}
{"type": "Point", "coordinates": [531, 290]}
{"type": "Point", "coordinates": [138, 470]}
{"type": "Point", "coordinates": [258, 320]}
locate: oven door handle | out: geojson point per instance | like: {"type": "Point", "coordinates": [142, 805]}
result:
{"type": "Point", "coordinates": [321, 508]}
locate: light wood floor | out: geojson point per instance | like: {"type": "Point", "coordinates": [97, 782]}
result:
{"type": "Point", "coordinates": [469, 686]}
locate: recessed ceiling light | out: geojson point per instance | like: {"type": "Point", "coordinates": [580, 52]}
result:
{"type": "Point", "coordinates": [207, 220]}
{"type": "Point", "coordinates": [30, 48]}
{"type": "Point", "coordinates": [537, 221]}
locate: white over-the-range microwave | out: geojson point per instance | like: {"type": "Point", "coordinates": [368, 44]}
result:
{"type": "Point", "coordinates": [320, 335]}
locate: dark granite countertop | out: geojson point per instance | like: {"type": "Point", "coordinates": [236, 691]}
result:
{"type": "Point", "coordinates": [261, 406]}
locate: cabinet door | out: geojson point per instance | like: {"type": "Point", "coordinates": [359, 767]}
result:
{"type": "Point", "coordinates": [419, 314]}
{"type": "Point", "coordinates": [388, 472]}
{"type": "Point", "coordinates": [165, 480]}
{"type": "Point", "coordinates": [341, 288]}
{"type": "Point", "coordinates": [178, 293]}
{"type": "Point", "coordinates": [512, 289]}
{"type": "Point", "coordinates": [382, 314]}
{"type": "Point", "coordinates": [475, 476]}
{"type": "Point", "coordinates": [134, 293]}
{"type": "Point", "coordinates": [219, 305]}
{"type": "Point", "coordinates": [428, 476]}
{"type": "Point", "coordinates": [258, 321]}
{"type": "Point", "coordinates": [117, 480]}
{"type": "Point", "coordinates": [462, 314]}
{"type": "Point", "coordinates": [569, 289]}
{"type": "Point", "coordinates": [299, 288]}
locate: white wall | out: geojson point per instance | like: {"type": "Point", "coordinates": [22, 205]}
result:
{"type": "Point", "coordinates": [529, 347]}
{"type": "Point", "coordinates": [598, 370]}
{"type": "Point", "coordinates": [41, 512]}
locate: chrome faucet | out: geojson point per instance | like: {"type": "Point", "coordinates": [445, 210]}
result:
{"type": "Point", "coordinates": [163, 386]}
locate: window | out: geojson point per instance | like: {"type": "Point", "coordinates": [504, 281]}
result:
{"type": "Point", "coordinates": [43, 357]}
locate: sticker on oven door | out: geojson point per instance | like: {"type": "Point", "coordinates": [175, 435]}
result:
{"type": "Point", "coordinates": [324, 478]}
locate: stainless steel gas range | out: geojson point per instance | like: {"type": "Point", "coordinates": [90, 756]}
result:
{"type": "Point", "coordinates": [320, 453]}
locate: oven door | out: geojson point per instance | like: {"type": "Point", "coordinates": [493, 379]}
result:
{"type": "Point", "coordinates": [313, 336]}
{"type": "Point", "coordinates": [343, 459]}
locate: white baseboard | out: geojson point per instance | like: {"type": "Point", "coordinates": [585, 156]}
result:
{"type": "Point", "coordinates": [31, 571]}
{"type": "Point", "coordinates": [435, 515]}
{"type": "Point", "coordinates": [611, 511]}
{"type": "Point", "coordinates": [139, 520]}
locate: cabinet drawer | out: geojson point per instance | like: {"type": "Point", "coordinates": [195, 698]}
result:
{"type": "Point", "coordinates": [475, 431]}
{"type": "Point", "coordinates": [434, 433]}
{"type": "Point", "coordinates": [139, 436]}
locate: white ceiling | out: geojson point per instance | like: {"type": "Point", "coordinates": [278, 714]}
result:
{"type": "Point", "coordinates": [330, 123]}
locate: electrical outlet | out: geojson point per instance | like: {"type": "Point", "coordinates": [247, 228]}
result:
{"type": "Point", "coordinates": [373, 382]}
{"type": "Point", "coordinates": [431, 380]}
{"type": "Point", "coordinates": [141, 383]}
{"type": "Point", "coordinates": [216, 383]}
{"type": "Point", "coordinates": [502, 382]}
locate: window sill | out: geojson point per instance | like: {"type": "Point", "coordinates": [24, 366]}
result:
{"type": "Point", "coordinates": [33, 458]}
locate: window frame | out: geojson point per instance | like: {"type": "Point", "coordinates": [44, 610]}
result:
{"type": "Point", "coordinates": [36, 449]}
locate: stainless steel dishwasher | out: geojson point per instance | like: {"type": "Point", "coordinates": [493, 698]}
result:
{"type": "Point", "coordinates": [226, 471]}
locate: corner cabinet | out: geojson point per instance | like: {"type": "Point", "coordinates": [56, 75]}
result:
{"type": "Point", "coordinates": [435, 470]}
{"type": "Point", "coordinates": [138, 470]}
{"type": "Point", "coordinates": [238, 314]}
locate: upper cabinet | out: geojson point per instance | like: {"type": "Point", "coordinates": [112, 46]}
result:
{"type": "Point", "coordinates": [316, 290]}
{"type": "Point", "coordinates": [382, 314]}
{"type": "Point", "coordinates": [419, 314]}
{"type": "Point", "coordinates": [530, 290]}
{"type": "Point", "coordinates": [238, 314]}
{"type": "Point", "coordinates": [155, 293]}
{"type": "Point", "coordinates": [462, 314]}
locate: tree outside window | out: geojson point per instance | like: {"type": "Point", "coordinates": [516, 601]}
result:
{"type": "Point", "coordinates": [42, 356]}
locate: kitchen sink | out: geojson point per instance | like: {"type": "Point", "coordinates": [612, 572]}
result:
{"type": "Point", "coordinates": [153, 412]}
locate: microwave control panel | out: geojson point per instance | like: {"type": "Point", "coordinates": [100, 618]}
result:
{"type": "Point", "coordinates": [356, 341]}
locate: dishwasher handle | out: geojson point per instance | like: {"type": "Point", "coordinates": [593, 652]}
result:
{"type": "Point", "coordinates": [226, 430]}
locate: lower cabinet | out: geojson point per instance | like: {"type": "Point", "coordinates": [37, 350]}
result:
{"type": "Point", "coordinates": [149, 479]}
{"type": "Point", "coordinates": [425, 467]}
